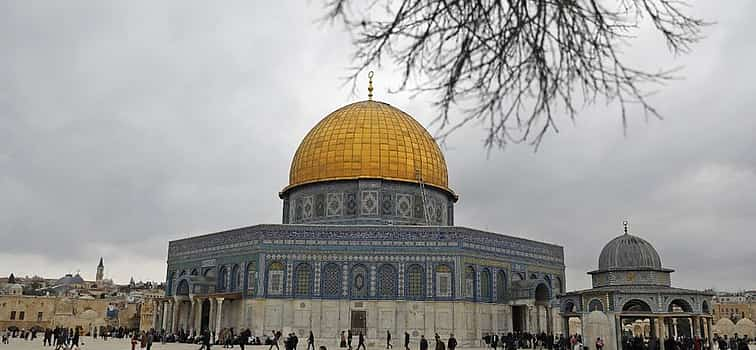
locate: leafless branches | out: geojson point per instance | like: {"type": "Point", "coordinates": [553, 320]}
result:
{"type": "Point", "coordinates": [514, 64]}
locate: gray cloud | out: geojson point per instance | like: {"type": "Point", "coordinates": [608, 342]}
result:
{"type": "Point", "coordinates": [125, 125]}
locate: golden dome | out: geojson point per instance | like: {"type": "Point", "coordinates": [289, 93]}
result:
{"type": "Point", "coordinates": [368, 139]}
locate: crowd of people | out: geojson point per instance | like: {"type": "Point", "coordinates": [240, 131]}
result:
{"type": "Point", "coordinates": [525, 340]}
{"type": "Point", "coordinates": [733, 343]}
{"type": "Point", "coordinates": [67, 338]}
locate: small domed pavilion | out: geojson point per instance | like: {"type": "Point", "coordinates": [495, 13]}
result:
{"type": "Point", "coordinates": [632, 296]}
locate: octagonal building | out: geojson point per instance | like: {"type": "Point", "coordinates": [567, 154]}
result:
{"type": "Point", "coordinates": [367, 243]}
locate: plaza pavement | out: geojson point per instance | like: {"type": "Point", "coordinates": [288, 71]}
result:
{"type": "Point", "coordinates": [123, 344]}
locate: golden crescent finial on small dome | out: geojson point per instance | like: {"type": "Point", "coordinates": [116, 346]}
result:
{"type": "Point", "coordinates": [370, 85]}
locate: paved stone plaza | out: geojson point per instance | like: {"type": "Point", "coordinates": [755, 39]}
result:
{"type": "Point", "coordinates": [119, 344]}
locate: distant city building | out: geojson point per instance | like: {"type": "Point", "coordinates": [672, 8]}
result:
{"type": "Point", "coordinates": [73, 302]}
{"type": "Point", "coordinates": [734, 312]}
{"type": "Point", "coordinates": [100, 272]}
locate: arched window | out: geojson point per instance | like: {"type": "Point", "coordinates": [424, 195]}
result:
{"type": "Point", "coordinates": [195, 272]}
{"type": "Point", "coordinates": [275, 278]}
{"type": "Point", "coordinates": [679, 305]}
{"type": "Point", "coordinates": [705, 307]}
{"type": "Point", "coordinates": [636, 305]}
{"type": "Point", "coordinates": [331, 280]}
{"type": "Point", "coordinates": [251, 280]}
{"type": "Point", "coordinates": [542, 293]}
{"type": "Point", "coordinates": [501, 286]}
{"type": "Point", "coordinates": [569, 307]}
{"type": "Point", "coordinates": [533, 276]}
{"type": "Point", "coordinates": [469, 291]}
{"type": "Point", "coordinates": [359, 281]}
{"type": "Point", "coordinates": [415, 281]}
{"type": "Point", "coordinates": [183, 272]}
{"type": "Point", "coordinates": [595, 305]}
{"type": "Point", "coordinates": [223, 278]}
{"type": "Point", "coordinates": [443, 281]}
{"type": "Point", "coordinates": [387, 281]}
{"type": "Point", "coordinates": [485, 284]}
{"type": "Point", "coordinates": [234, 278]}
{"type": "Point", "coordinates": [183, 288]}
{"type": "Point", "coordinates": [302, 279]}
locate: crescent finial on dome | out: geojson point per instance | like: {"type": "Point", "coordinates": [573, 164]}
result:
{"type": "Point", "coordinates": [370, 85]}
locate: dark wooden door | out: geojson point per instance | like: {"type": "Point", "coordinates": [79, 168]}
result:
{"type": "Point", "coordinates": [359, 322]}
{"type": "Point", "coordinates": [205, 319]}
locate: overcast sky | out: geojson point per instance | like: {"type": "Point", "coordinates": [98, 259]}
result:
{"type": "Point", "coordinates": [126, 124]}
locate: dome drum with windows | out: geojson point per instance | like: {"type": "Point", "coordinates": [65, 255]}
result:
{"type": "Point", "coordinates": [368, 163]}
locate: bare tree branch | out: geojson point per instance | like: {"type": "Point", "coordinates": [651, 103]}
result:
{"type": "Point", "coordinates": [514, 64]}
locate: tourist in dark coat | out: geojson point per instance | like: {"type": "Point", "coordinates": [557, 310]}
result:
{"type": "Point", "coordinates": [406, 341]}
{"type": "Point", "coordinates": [361, 342]}
{"type": "Point", "coordinates": [452, 342]}
{"type": "Point", "coordinates": [423, 343]}
{"type": "Point", "coordinates": [311, 341]}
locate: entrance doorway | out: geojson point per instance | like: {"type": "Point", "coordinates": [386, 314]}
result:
{"type": "Point", "coordinates": [205, 318]}
{"type": "Point", "coordinates": [359, 322]}
{"type": "Point", "coordinates": [518, 318]}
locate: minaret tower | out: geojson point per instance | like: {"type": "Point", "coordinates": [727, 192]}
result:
{"type": "Point", "coordinates": [100, 271]}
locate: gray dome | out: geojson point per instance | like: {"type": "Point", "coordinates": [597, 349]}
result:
{"type": "Point", "coordinates": [69, 279]}
{"type": "Point", "coordinates": [628, 252]}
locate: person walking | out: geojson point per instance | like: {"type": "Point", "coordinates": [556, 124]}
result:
{"type": "Point", "coordinates": [343, 343]}
{"type": "Point", "coordinates": [244, 338]}
{"type": "Point", "coordinates": [423, 343]}
{"type": "Point", "coordinates": [406, 341]}
{"type": "Point", "coordinates": [349, 339]}
{"type": "Point", "coordinates": [439, 343]}
{"type": "Point", "coordinates": [205, 340]}
{"type": "Point", "coordinates": [46, 340]}
{"type": "Point", "coordinates": [133, 341]}
{"type": "Point", "coordinates": [274, 341]}
{"type": "Point", "coordinates": [150, 338]}
{"type": "Point", "coordinates": [361, 342]}
{"type": "Point", "coordinates": [75, 340]}
{"type": "Point", "coordinates": [452, 344]}
{"type": "Point", "coordinates": [60, 342]}
{"type": "Point", "coordinates": [388, 340]}
{"type": "Point", "coordinates": [311, 341]}
{"type": "Point", "coordinates": [599, 343]}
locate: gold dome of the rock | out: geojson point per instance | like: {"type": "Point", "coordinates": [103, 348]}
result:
{"type": "Point", "coordinates": [368, 139]}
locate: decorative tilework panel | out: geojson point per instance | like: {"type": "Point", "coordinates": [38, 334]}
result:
{"type": "Point", "coordinates": [335, 204]}
{"type": "Point", "coordinates": [369, 203]}
{"type": "Point", "coordinates": [404, 205]}
{"type": "Point", "coordinates": [320, 205]}
{"type": "Point", "coordinates": [350, 203]}
{"type": "Point", "coordinates": [359, 281]}
{"type": "Point", "coordinates": [387, 204]}
{"type": "Point", "coordinates": [307, 207]}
